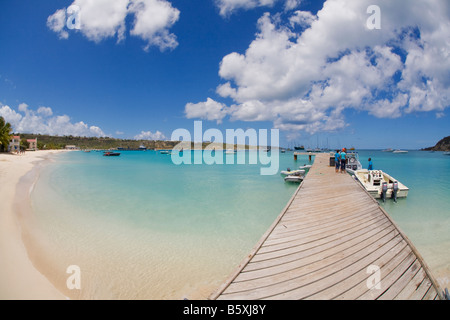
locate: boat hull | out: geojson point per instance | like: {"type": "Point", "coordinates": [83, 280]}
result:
{"type": "Point", "coordinates": [292, 172]}
{"type": "Point", "coordinates": [293, 179]}
{"type": "Point", "coordinates": [372, 181]}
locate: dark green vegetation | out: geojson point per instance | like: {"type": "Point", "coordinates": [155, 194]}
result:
{"type": "Point", "coordinates": [60, 142]}
{"type": "Point", "coordinates": [442, 145]}
{"type": "Point", "coordinates": [5, 134]}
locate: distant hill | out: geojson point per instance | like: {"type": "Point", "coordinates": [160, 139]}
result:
{"type": "Point", "coordinates": [60, 142]}
{"type": "Point", "coordinates": [442, 145]}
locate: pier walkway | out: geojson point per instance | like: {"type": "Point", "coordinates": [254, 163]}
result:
{"type": "Point", "coordinates": [332, 241]}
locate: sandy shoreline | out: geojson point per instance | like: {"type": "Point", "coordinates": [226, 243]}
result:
{"type": "Point", "coordinates": [19, 279]}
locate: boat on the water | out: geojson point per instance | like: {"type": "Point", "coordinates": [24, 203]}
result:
{"type": "Point", "coordinates": [446, 153]}
{"type": "Point", "coordinates": [294, 178]}
{"type": "Point", "coordinates": [289, 172]}
{"type": "Point", "coordinates": [293, 175]}
{"type": "Point", "coordinates": [111, 154]}
{"type": "Point", "coordinates": [381, 185]}
{"type": "Point", "coordinates": [388, 150]}
{"type": "Point", "coordinates": [305, 167]}
{"type": "Point", "coordinates": [353, 163]}
{"type": "Point", "coordinates": [165, 152]}
{"type": "Point", "coordinates": [399, 151]}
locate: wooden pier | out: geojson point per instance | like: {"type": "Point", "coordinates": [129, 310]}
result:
{"type": "Point", "coordinates": [331, 241]}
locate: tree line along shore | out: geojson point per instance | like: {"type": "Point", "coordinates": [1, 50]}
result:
{"type": "Point", "coordinates": [48, 142]}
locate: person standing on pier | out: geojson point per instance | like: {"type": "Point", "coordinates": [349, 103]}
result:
{"type": "Point", "coordinates": [337, 160]}
{"type": "Point", "coordinates": [343, 160]}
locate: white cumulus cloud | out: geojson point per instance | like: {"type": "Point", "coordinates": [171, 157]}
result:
{"type": "Point", "coordinates": [208, 110]}
{"type": "Point", "coordinates": [303, 70]}
{"type": "Point", "coordinates": [148, 135]}
{"type": "Point", "coordinates": [101, 19]}
{"type": "Point", "coordinates": [42, 121]}
{"type": "Point", "coordinates": [228, 7]}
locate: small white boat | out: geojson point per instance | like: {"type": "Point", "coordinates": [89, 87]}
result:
{"type": "Point", "coordinates": [380, 185]}
{"type": "Point", "coordinates": [230, 151]}
{"type": "Point", "coordinates": [294, 178]}
{"type": "Point", "coordinates": [353, 163]}
{"type": "Point", "coordinates": [305, 167]}
{"type": "Point", "coordinates": [289, 172]}
{"type": "Point", "coordinates": [165, 152]}
{"type": "Point", "coordinates": [399, 151]}
{"type": "Point", "coordinates": [446, 153]}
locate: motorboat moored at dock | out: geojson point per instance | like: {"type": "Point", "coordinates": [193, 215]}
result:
{"type": "Point", "coordinates": [294, 178]}
{"type": "Point", "coordinates": [381, 185]}
{"type": "Point", "coordinates": [289, 172]}
{"type": "Point", "coordinates": [353, 164]}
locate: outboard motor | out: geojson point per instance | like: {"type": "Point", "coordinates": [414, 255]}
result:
{"type": "Point", "coordinates": [384, 188]}
{"type": "Point", "coordinates": [395, 190]}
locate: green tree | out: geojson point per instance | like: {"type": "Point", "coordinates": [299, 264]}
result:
{"type": "Point", "coordinates": [24, 144]}
{"type": "Point", "coordinates": [5, 134]}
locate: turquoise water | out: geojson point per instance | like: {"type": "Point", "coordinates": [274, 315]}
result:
{"type": "Point", "coordinates": [140, 227]}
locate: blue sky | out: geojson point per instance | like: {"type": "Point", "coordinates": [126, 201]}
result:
{"type": "Point", "coordinates": [314, 70]}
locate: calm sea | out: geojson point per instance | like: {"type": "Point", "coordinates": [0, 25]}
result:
{"type": "Point", "coordinates": [140, 227]}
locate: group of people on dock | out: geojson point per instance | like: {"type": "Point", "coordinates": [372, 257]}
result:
{"type": "Point", "coordinates": [340, 158]}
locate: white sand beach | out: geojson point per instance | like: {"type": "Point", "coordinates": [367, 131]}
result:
{"type": "Point", "coordinates": [19, 279]}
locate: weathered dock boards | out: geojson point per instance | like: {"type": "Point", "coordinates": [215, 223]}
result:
{"type": "Point", "coordinates": [332, 241]}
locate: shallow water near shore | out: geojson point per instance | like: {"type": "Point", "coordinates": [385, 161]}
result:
{"type": "Point", "coordinates": [140, 227]}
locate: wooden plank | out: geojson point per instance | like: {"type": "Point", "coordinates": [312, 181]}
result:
{"type": "Point", "coordinates": [356, 283]}
{"type": "Point", "coordinates": [323, 230]}
{"type": "Point", "coordinates": [316, 288]}
{"type": "Point", "coordinates": [285, 229]}
{"type": "Point", "coordinates": [362, 292]}
{"type": "Point", "coordinates": [431, 294]}
{"type": "Point", "coordinates": [412, 286]}
{"type": "Point", "coordinates": [310, 250]}
{"type": "Point", "coordinates": [283, 283]}
{"type": "Point", "coordinates": [333, 254]}
{"type": "Point", "coordinates": [401, 282]}
{"type": "Point", "coordinates": [389, 279]}
{"type": "Point", "coordinates": [344, 235]}
{"type": "Point", "coordinates": [422, 290]}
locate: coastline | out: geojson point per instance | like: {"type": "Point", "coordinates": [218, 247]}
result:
{"type": "Point", "coordinates": [19, 279]}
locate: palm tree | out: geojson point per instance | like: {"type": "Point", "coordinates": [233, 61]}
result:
{"type": "Point", "coordinates": [5, 134]}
